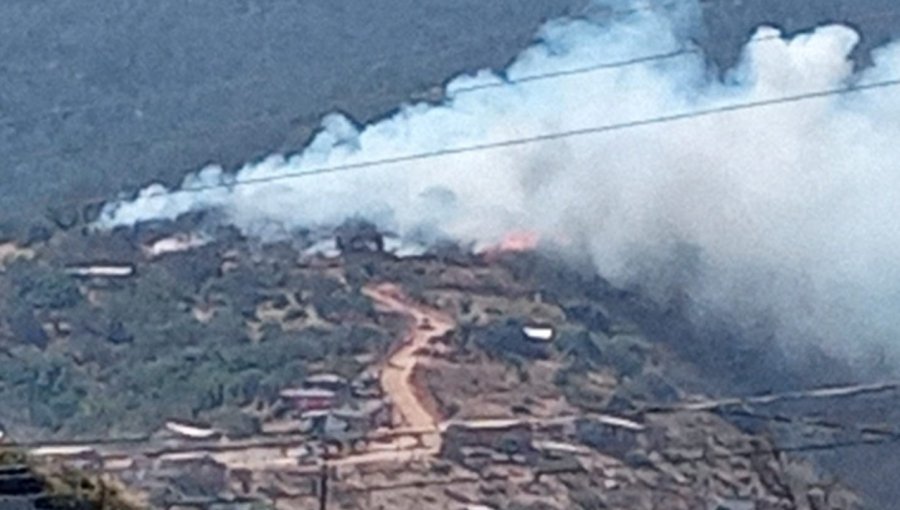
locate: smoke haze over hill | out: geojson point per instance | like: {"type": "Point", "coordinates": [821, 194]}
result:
{"type": "Point", "coordinates": [790, 209]}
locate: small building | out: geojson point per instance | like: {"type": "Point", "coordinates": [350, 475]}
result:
{"type": "Point", "coordinates": [609, 434]}
{"type": "Point", "coordinates": [173, 244]}
{"type": "Point", "coordinates": [538, 333]}
{"type": "Point", "coordinates": [330, 382]}
{"type": "Point", "coordinates": [508, 437]}
{"type": "Point", "coordinates": [366, 415]}
{"type": "Point", "coordinates": [67, 451]}
{"type": "Point", "coordinates": [367, 385]}
{"type": "Point", "coordinates": [100, 270]}
{"type": "Point", "coordinates": [309, 399]}
{"type": "Point", "coordinates": [195, 431]}
{"type": "Point", "coordinates": [322, 253]}
{"type": "Point", "coordinates": [194, 476]}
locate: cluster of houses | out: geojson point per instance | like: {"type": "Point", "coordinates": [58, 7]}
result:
{"type": "Point", "coordinates": [324, 406]}
{"type": "Point", "coordinates": [547, 445]}
{"type": "Point", "coordinates": [332, 407]}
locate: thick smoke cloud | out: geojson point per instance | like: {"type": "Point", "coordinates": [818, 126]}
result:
{"type": "Point", "coordinates": [791, 210]}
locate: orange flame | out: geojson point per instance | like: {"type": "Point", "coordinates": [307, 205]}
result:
{"type": "Point", "coordinates": [512, 242]}
{"type": "Point", "coordinates": [518, 241]}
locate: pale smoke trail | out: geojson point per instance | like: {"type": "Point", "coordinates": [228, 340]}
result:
{"type": "Point", "coordinates": [794, 208]}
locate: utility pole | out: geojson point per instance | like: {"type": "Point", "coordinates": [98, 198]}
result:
{"type": "Point", "coordinates": [323, 486]}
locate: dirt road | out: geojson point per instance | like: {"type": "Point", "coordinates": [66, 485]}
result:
{"type": "Point", "coordinates": [396, 376]}
{"type": "Point", "coordinates": [416, 433]}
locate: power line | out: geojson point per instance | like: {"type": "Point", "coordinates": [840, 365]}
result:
{"type": "Point", "coordinates": [254, 121]}
{"type": "Point", "coordinates": [631, 61]}
{"type": "Point", "coordinates": [805, 421]}
{"type": "Point", "coordinates": [626, 62]}
{"type": "Point", "coordinates": [287, 440]}
{"type": "Point", "coordinates": [756, 447]}
{"type": "Point", "coordinates": [771, 398]}
{"type": "Point", "coordinates": [232, 83]}
{"type": "Point", "coordinates": [100, 200]}
{"type": "Point", "coordinates": [548, 137]}
{"type": "Point", "coordinates": [751, 451]}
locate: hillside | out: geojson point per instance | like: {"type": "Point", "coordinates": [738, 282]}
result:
{"type": "Point", "coordinates": [230, 369]}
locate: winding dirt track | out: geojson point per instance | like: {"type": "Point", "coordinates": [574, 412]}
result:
{"type": "Point", "coordinates": [416, 433]}
{"type": "Point", "coordinates": [396, 375]}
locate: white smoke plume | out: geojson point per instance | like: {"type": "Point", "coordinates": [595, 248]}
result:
{"type": "Point", "coordinates": [795, 209]}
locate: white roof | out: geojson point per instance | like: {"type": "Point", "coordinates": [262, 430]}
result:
{"type": "Point", "coordinates": [325, 379]}
{"type": "Point", "coordinates": [61, 451]}
{"type": "Point", "coordinates": [317, 413]}
{"type": "Point", "coordinates": [543, 333]}
{"type": "Point", "coordinates": [174, 244]}
{"type": "Point", "coordinates": [193, 431]}
{"type": "Point", "coordinates": [488, 423]}
{"type": "Point", "coordinates": [560, 447]}
{"type": "Point", "coordinates": [615, 421]}
{"type": "Point", "coordinates": [109, 270]}
{"type": "Point", "coordinates": [403, 247]}
{"type": "Point", "coordinates": [306, 393]}
{"type": "Point", "coordinates": [325, 248]}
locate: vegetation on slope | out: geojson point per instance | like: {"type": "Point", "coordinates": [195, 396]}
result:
{"type": "Point", "coordinates": [212, 333]}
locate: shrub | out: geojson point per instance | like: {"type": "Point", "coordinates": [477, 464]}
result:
{"type": "Point", "coordinates": [626, 355]}
{"type": "Point", "coordinates": [42, 287]}
{"type": "Point", "coordinates": [505, 341]}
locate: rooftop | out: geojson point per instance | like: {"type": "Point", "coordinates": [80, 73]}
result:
{"type": "Point", "coordinates": [306, 393]}
{"type": "Point", "coordinates": [487, 424]}
{"type": "Point", "coordinates": [615, 421]}
{"type": "Point", "coordinates": [325, 379]}
{"type": "Point", "coordinates": [101, 270]}
{"type": "Point", "coordinates": [196, 431]}
{"type": "Point", "coordinates": [539, 333]}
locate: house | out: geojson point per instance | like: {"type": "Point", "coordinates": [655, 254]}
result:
{"type": "Point", "coordinates": [616, 422]}
{"type": "Point", "coordinates": [365, 415]}
{"type": "Point", "coordinates": [308, 399]}
{"type": "Point", "coordinates": [173, 244]}
{"type": "Point", "coordinates": [194, 477]}
{"type": "Point", "coordinates": [100, 270]}
{"type": "Point", "coordinates": [507, 437]}
{"type": "Point", "coordinates": [330, 382]}
{"type": "Point", "coordinates": [68, 451]}
{"type": "Point", "coordinates": [322, 423]}
{"type": "Point", "coordinates": [538, 333]}
{"type": "Point", "coordinates": [355, 420]}
{"type": "Point", "coordinates": [326, 250]}
{"type": "Point", "coordinates": [609, 434]}
{"type": "Point", "coordinates": [366, 385]}
{"type": "Point", "coordinates": [194, 431]}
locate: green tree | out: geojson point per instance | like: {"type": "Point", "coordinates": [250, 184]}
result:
{"type": "Point", "coordinates": [43, 287]}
